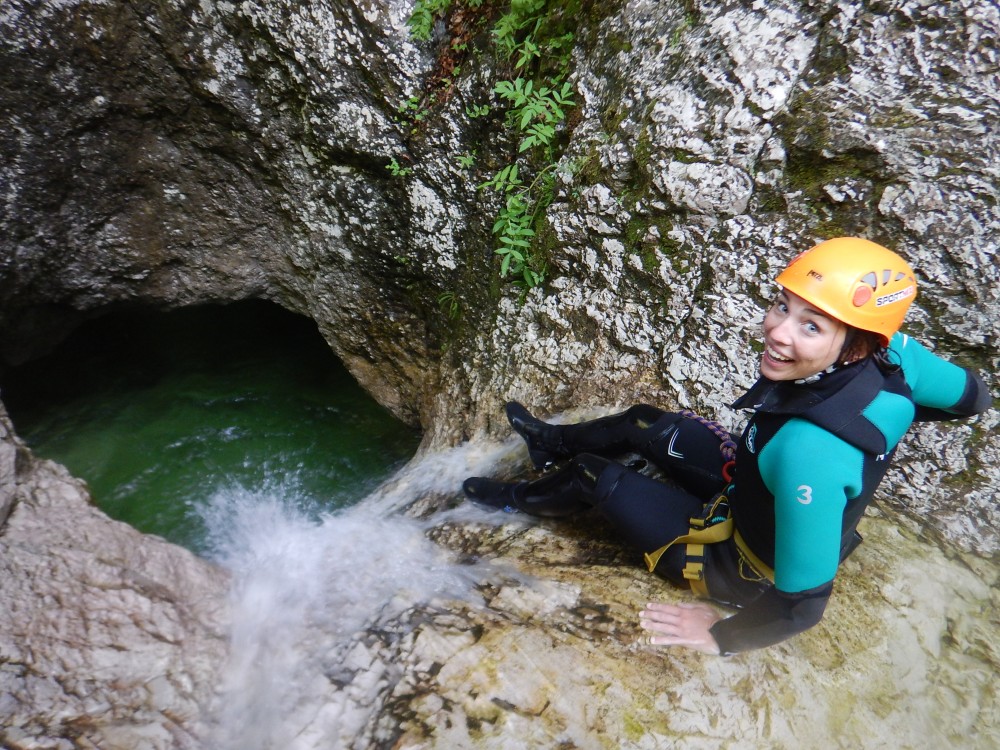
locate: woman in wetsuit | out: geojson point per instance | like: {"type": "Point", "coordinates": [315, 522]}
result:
{"type": "Point", "coordinates": [838, 389]}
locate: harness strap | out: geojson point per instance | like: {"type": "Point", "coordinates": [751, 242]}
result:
{"type": "Point", "coordinates": [720, 532]}
{"type": "Point", "coordinates": [759, 566]}
{"type": "Point", "coordinates": [697, 537]}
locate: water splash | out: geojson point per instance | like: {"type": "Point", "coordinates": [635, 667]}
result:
{"type": "Point", "coordinates": [305, 585]}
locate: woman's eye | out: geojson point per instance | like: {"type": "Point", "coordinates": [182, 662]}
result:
{"type": "Point", "coordinates": [812, 328]}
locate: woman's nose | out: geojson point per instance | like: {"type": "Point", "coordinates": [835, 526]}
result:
{"type": "Point", "coordinates": [782, 331]}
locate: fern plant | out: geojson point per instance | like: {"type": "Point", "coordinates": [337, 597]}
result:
{"type": "Point", "coordinates": [421, 21]}
{"type": "Point", "coordinates": [531, 34]}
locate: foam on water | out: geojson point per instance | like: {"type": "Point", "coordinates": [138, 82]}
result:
{"type": "Point", "coordinates": [305, 584]}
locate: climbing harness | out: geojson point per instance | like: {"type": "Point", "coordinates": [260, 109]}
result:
{"type": "Point", "coordinates": [758, 568]}
{"type": "Point", "coordinates": [713, 525]}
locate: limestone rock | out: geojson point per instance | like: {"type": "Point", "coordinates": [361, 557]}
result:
{"type": "Point", "coordinates": [541, 648]}
{"type": "Point", "coordinates": [557, 659]}
{"type": "Point", "coordinates": [108, 638]}
{"type": "Point", "coordinates": [179, 152]}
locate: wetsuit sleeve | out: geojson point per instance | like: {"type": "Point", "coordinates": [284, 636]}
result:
{"type": "Point", "coordinates": [941, 389]}
{"type": "Point", "coordinates": [811, 474]}
{"type": "Point", "coordinates": [772, 618]}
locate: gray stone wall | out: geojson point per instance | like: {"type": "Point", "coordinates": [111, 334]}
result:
{"type": "Point", "coordinates": [175, 152]}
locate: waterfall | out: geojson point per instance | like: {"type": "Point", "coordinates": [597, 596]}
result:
{"type": "Point", "coordinates": [306, 586]}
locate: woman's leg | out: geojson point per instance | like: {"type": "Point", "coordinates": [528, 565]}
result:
{"type": "Point", "coordinates": [552, 496]}
{"type": "Point", "coordinates": [609, 435]}
{"type": "Point", "coordinates": [693, 455]}
{"type": "Point", "coordinates": [646, 513]}
{"type": "Point", "coordinates": [685, 448]}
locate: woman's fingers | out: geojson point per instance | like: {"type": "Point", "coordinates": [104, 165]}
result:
{"type": "Point", "coordinates": [680, 625]}
{"type": "Point", "coordinates": [658, 612]}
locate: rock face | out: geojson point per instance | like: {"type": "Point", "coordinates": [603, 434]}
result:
{"type": "Point", "coordinates": [108, 638]}
{"type": "Point", "coordinates": [557, 660]}
{"type": "Point", "coordinates": [193, 152]}
{"type": "Point", "coordinates": [180, 152]}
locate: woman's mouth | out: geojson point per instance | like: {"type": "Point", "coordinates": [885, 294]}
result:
{"type": "Point", "coordinates": [773, 355]}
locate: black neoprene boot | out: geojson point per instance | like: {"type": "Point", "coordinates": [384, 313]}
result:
{"type": "Point", "coordinates": [491, 493]}
{"type": "Point", "coordinates": [562, 493]}
{"type": "Point", "coordinates": [545, 446]}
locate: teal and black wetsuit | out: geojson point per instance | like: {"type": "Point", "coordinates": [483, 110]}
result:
{"type": "Point", "coordinates": [808, 464]}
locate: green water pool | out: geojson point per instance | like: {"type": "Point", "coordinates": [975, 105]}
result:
{"type": "Point", "coordinates": [158, 410]}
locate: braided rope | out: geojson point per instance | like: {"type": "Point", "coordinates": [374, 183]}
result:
{"type": "Point", "coordinates": [728, 446]}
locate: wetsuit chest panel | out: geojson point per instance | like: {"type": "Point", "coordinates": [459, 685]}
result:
{"type": "Point", "coordinates": [752, 503]}
{"type": "Point", "coordinates": [893, 414]}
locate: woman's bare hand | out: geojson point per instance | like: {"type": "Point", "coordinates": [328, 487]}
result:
{"type": "Point", "coordinates": [681, 625]}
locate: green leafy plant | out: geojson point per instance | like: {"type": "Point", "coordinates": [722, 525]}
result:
{"type": "Point", "coordinates": [412, 108]}
{"type": "Point", "coordinates": [398, 170]}
{"type": "Point", "coordinates": [522, 14]}
{"type": "Point", "coordinates": [504, 181]}
{"type": "Point", "coordinates": [449, 304]}
{"type": "Point", "coordinates": [477, 110]}
{"type": "Point", "coordinates": [533, 36]}
{"type": "Point", "coordinates": [536, 99]}
{"type": "Point", "coordinates": [467, 160]}
{"type": "Point", "coordinates": [513, 226]}
{"type": "Point", "coordinates": [536, 111]}
{"type": "Point", "coordinates": [421, 21]}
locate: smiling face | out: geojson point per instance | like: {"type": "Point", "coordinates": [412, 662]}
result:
{"type": "Point", "coordinates": [799, 340]}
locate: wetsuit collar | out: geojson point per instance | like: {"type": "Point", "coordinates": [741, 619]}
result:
{"type": "Point", "coordinates": [787, 397]}
{"type": "Point", "coordinates": [835, 402]}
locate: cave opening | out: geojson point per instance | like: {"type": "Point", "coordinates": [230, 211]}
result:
{"type": "Point", "coordinates": [157, 411]}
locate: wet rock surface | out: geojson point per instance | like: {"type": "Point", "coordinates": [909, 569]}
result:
{"type": "Point", "coordinates": [558, 660]}
{"type": "Point", "coordinates": [546, 652]}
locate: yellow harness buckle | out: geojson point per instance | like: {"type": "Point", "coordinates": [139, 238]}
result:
{"type": "Point", "coordinates": [696, 539]}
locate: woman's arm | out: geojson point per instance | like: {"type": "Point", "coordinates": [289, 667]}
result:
{"type": "Point", "coordinates": [774, 617]}
{"type": "Point", "coordinates": [811, 473]}
{"type": "Point", "coordinates": [941, 389]}
{"type": "Point", "coordinates": [975, 399]}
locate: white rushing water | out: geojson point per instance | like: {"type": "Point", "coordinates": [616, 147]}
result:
{"type": "Point", "coordinates": [305, 585]}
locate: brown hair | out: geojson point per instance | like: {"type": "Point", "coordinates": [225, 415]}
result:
{"type": "Point", "coordinates": [859, 344]}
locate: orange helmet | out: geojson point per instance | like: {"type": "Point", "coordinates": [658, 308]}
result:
{"type": "Point", "coordinates": [855, 281]}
